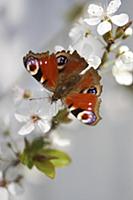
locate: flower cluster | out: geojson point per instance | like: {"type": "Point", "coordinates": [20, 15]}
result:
{"type": "Point", "coordinates": [10, 188]}
{"type": "Point", "coordinates": [123, 67]}
{"type": "Point", "coordinates": [105, 18]}
{"type": "Point", "coordinates": [38, 151]}
{"type": "Point", "coordinates": [112, 29]}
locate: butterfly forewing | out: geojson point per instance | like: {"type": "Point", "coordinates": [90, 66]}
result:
{"type": "Point", "coordinates": [43, 67]}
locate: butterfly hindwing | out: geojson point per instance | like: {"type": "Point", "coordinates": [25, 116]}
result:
{"type": "Point", "coordinates": [84, 107]}
{"type": "Point", "coordinates": [84, 102]}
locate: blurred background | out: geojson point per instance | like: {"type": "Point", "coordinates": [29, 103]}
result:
{"type": "Point", "coordinates": [102, 167]}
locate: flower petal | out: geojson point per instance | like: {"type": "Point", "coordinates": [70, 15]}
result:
{"type": "Point", "coordinates": [85, 50]}
{"type": "Point", "coordinates": [44, 125]}
{"type": "Point", "coordinates": [21, 118]}
{"type": "Point", "coordinates": [124, 78]}
{"type": "Point", "coordinates": [92, 21]}
{"type": "Point", "coordinates": [104, 27]}
{"type": "Point", "coordinates": [70, 48]}
{"type": "Point", "coordinates": [76, 31]}
{"type": "Point", "coordinates": [94, 61]}
{"type": "Point", "coordinates": [3, 193]}
{"type": "Point", "coordinates": [15, 188]}
{"type": "Point", "coordinates": [27, 128]}
{"type": "Point", "coordinates": [95, 10]}
{"type": "Point", "coordinates": [83, 47]}
{"type": "Point", "coordinates": [79, 31]}
{"type": "Point", "coordinates": [113, 7]}
{"type": "Point", "coordinates": [122, 65]}
{"type": "Point", "coordinates": [58, 48]}
{"type": "Point", "coordinates": [128, 31]}
{"type": "Point", "coordinates": [120, 20]}
{"type": "Point", "coordinates": [127, 57]}
{"type": "Point", "coordinates": [123, 49]}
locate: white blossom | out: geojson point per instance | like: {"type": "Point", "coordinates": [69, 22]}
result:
{"type": "Point", "coordinates": [123, 67]}
{"type": "Point", "coordinates": [31, 121]}
{"type": "Point", "coordinates": [83, 42]}
{"type": "Point", "coordinates": [122, 49]}
{"type": "Point", "coordinates": [35, 113]}
{"type": "Point", "coordinates": [9, 188]}
{"type": "Point", "coordinates": [104, 18]}
{"type": "Point", "coordinates": [79, 31]}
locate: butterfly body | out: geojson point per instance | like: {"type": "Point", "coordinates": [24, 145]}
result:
{"type": "Point", "coordinates": [66, 75]}
{"type": "Point", "coordinates": [65, 87]}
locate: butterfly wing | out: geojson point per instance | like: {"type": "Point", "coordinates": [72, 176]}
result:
{"type": "Point", "coordinates": [69, 64]}
{"type": "Point", "coordinates": [84, 102]}
{"type": "Point", "coordinates": [52, 69]}
{"type": "Point", "coordinates": [43, 67]}
{"type": "Point", "coordinates": [84, 107]}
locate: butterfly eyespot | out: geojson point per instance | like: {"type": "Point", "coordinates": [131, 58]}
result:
{"type": "Point", "coordinates": [32, 66]}
{"type": "Point", "coordinates": [61, 61]}
{"type": "Point", "coordinates": [91, 91]}
{"type": "Point", "coordinates": [87, 117]}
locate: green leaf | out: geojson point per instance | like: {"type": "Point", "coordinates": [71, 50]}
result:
{"type": "Point", "coordinates": [46, 167]}
{"type": "Point", "coordinates": [36, 145]}
{"type": "Point", "coordinates": [57, 157]}
{"type": "Point", "coordinates": [26, 159]}
{"type": "Point", "coordinates": [45, 160]}
{"type": "Point", "coordinates": [30, 150]}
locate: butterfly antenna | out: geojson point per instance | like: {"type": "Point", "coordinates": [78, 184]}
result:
{"type": "Point", "coordinates": [38, 98]}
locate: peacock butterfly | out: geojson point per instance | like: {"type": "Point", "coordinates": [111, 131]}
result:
{"type": "Point", "coordinates": [70, 78]}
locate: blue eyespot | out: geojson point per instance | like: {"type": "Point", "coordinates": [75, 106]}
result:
{"type": "Point", "coordinates": [92, 90]}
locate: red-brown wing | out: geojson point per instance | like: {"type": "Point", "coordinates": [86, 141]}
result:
{"type": "Point", "coordinates": [84, 101]}
{"type": "Point", "coordinates": [69, 64]}
{"type": "Point", "coordinates": [43, 67]}
{"type": "Point", "coordinates": [90, 81]}
{"type": "Point", "coordinates": [84, 107]}
{"type": "Point", "coordinates": [54, 68]}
